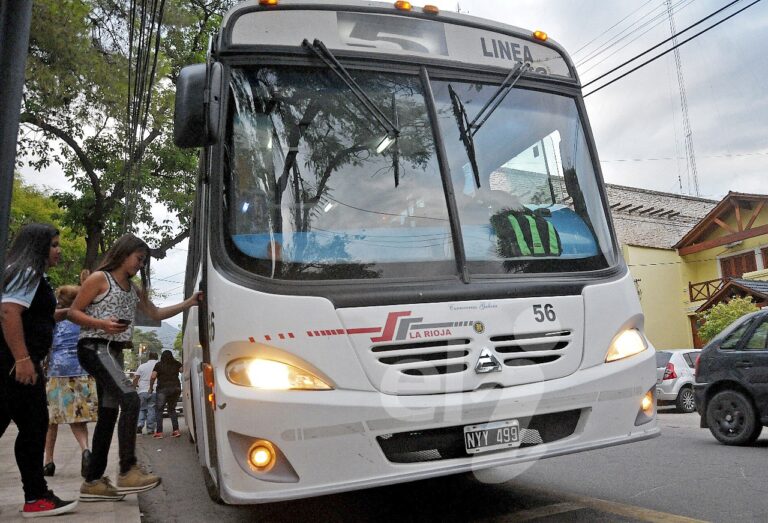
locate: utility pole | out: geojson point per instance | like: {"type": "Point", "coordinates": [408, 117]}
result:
{"type": "Point", "coordinates": [690, 155]}
{"type": "Point", "coordinates": [15, 20]}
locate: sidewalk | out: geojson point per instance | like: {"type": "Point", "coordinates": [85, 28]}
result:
{"type": "Point", "coordinates": [66, 483]}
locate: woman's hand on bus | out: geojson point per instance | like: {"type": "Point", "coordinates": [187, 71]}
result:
{"type": "Point", "coordinates": [112, 326]}
{"type": "Point", "coordinates": [195, 299]}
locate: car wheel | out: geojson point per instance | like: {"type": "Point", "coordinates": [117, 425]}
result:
{"type": "Point", "coordinates": [686, 400]}
{"type": "Point", "coordinates": [732, 419]}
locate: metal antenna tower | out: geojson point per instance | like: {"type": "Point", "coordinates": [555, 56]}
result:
{"type": "Point", "coordinates": [693, 178]}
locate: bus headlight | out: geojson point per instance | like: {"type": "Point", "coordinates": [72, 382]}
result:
{"type": "Point", "coordinates": [626, 344]}
{"type": "Point", "coordinates": [272, 375]}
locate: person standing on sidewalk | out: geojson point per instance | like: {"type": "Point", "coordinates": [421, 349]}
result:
{"type": "Point", "coordinates": [142, 382]}
{"type": "Point", "coordinates": [166, 374]}
{"type": "Point", "coordinates": [105, 309]}
{"type": "Point", "coordinates": [71, 391]}
{"type": "Point", "coordinates": [27, 323]}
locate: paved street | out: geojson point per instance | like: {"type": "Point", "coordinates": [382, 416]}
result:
{"type": "Point", "coordinates": [65, 483]}
{"type": "Point", "coordinates": [682, 474]}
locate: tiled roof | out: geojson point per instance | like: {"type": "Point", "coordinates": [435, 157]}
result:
{"type": "Point", "coordinates": [758, 286]}
{"type": "Point", "coordinates": [657, 219]}
{"type": "Point", "coordinates": [726, 205]}
{"type": "Point", "coordinates": [735, 287]}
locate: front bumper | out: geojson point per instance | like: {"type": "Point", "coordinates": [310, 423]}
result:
{"type": "Point", "coordinates": [332, 439]}
{"type": "Point", "coordinates": [666, 393]}
{"type": "Point", "coordinates": [700, 392]}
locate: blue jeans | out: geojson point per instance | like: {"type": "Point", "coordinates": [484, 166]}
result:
{"type": "Point", "coordinates": [147, 410]}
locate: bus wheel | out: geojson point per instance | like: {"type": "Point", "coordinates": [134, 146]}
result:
{"type": "Point", "coordinates": [211, 487]}
{"type": "Point", "coordinates": [732, 419]}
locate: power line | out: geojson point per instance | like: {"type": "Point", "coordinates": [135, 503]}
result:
{"type": "Point", "coordinates": [658, 264]}
{"type": "Point", "coordinates": [613, 40]}
{"type": "Point", "coordinates": [663, 158]}
{"type": "Point", "coordinates": [659, 19]}
{"type": "Point", "coordinates": [672, 48]}
{"type": "Point", "coordinates": [606, 31]}
{"type": "Point", "coordinates": [142, 37]}
{"type": "Point", "coordinates": [659, 44]}
{"type": "Point", "coordinates": [640, 24]}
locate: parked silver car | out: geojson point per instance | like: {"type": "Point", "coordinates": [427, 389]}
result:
{"type": "Point", "coordinates": [674, 378]}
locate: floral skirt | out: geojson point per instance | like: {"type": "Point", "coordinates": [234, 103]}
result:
{"type": "Point", "coordinates": [72, 399]}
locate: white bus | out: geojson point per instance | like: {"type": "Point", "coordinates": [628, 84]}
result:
{"type": "Point", "coordinates": [407, 255]}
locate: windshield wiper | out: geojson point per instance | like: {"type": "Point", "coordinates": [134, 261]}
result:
{"type": "Point", "coordinates": [325, 55]}
{"type": "Point", "coordinates": [460, 112]}
{"type": "Point", "coordinates": [469, 129]}
{"type": "Point", "coordinates": [318, 48]}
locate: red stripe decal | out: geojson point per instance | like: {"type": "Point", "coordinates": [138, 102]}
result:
{"type": "Point", "coordinates": [364, 330]}
{"type": "Point", "coordinates": [282, 336]}
{"type": "Point", "coordinates": [316, 333]}
{"type": "Point", "coordinates": [267, 337]}
{"type": "Point", "coordinates": [290, 335]}
{"type": "Point", "coordinates": [389, 327]}
{"type": "Point", "coordinates": [309, 333]}
{"type": "Point", "coordinates": [251, 340]}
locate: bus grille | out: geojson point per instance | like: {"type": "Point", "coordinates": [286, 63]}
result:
{"type": "Point", "coordinates": [448, 442]}
{"type": "Point", "coordinates": [520, 350]}
{"type": "Point", "coordinates": [439, 366]}
{"type": "Point", "coordinates": [427, 358]}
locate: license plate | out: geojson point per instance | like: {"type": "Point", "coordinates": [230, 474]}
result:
{"type": "Point", "coordinates": [492, 436]}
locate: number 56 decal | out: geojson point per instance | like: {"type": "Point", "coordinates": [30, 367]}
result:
{"type": "Point", "coordinates": [543, 313]}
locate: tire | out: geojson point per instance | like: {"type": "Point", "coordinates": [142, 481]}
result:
{"type": "Point", "coordinates": [732, 419]}
{"type": "Point", "coordinates": [211, 487]}
{"type": "Point", "coordinates": [686, 400]}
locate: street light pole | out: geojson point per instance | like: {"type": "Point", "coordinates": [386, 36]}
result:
{"type": "Point", "coordinates": [15, 20]}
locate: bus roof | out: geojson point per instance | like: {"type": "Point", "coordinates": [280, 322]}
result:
{"type": "Point", "coordinates": [380, 28]}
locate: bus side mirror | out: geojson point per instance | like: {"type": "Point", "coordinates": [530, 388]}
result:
{"type": "Point", "coordinates": [196, 119]}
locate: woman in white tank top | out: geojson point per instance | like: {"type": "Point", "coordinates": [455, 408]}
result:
{"type": "Point", "coordinates": [105, 309]}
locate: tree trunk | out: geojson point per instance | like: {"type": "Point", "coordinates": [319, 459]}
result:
{"type": "Point", "coordinates": [92, 241]}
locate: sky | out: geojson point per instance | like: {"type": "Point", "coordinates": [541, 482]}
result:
{"type": "Point", "coordinates": [637, 121]}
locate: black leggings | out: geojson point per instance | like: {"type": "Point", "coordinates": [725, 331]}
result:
{"type": "Point", "coordinates": [167, 397]}
{"type": "Point", "coordinates": [27, 407]}
{"type": "Point", "coordinates": [115, 390]}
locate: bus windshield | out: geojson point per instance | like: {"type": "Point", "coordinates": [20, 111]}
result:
{"type": "Point", "coordinates": [525, 188]}
{"type": "Point", "coordinates": [317, 188]}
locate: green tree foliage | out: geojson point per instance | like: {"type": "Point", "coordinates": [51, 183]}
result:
{"type": "Point", "coordinates": [145, 342]}
{"type": "Point", "coordinates": [29, 205]}
{"type": "Point", "coordinates": [717, 318]}
{"type": "Point", "coordinates": [177, 343]}
{"type": "Point", "coordinates": [74, 115]}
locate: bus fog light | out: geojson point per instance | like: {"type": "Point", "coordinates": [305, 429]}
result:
{"type": "Point", "coordinates": [272, 375]}
{"type": "Point", "coordinates": [647, 404]}
{"type": "Point", "coordinates": [647, 408]}
{"type": "Point", "coordinates": [261, 455]}
{"type": "Point", "coordinates": [626, 344]}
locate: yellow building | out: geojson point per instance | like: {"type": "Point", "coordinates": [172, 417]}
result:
{"type": "Point", "coordinates": [726, 254]}
{"type": "Point", "coordinates": [686, 254]}
{"type": "Point", "coordinates": [648, 225]}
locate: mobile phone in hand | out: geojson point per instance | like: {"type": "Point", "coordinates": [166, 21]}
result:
{"type": "Point", "coordinates": [124, 322]}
